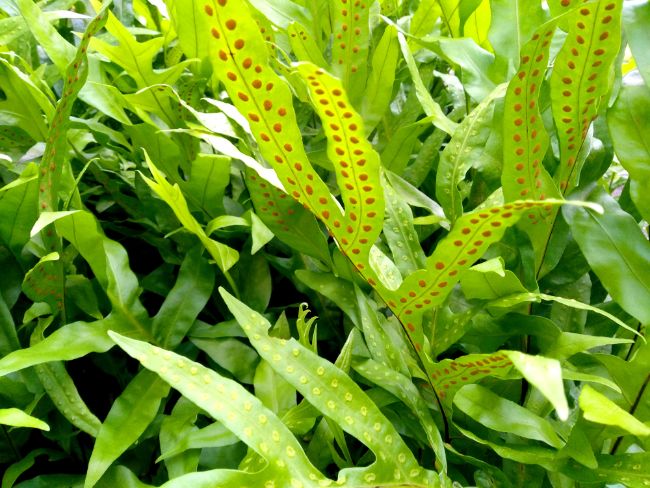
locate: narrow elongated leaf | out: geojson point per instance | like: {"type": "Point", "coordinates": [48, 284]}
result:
{"type": "Point", "coordinates": [625, 468]}
{"type": "Point", "coordinates": [130, 415]}
{"type": "Point", "coordinates": [567, 344]}
{"type": "Point", "coordinates": [213, 435]}
{"type": "Point", "coordinates": [546, 375]}
{"type": "Point", "coordinates": [379, 91]}
{"type": "Point", "coordinates": [351, 31]}
{"type": "Point", "coordinates": [17, 418]}
{"type": "Point", "coordinates": [64, 394]}
{"type": "Point", "coordinates": [61, 389]}
{"type": "Point", "coordinates": [526, 141]}
{"type": "Point", "coordinates": [357, 167]}
{"type": "Point", "coordinates": [382, 349]}
{"type": "Point", "coordinates": [464, 151]}
{"type": "Point", "coordinates": [590, 378]}
{"type": "Point", "coordinates": [333, 392]}
{"type": "Point", "coordinates": [174, 430]}
{"type": "Point", "coordinates": [23, 103]}
{"type": "Point", "coordinates": [273, 390]}
{"type": "Point", "coordinates": [569, 302]}
{"type": "Point", "coordinates": [19, 205]}
{"type": "Point", "coordinates": [223, 255]}
{"type": "Point", "coordinates": [600, 409]}
{"type": "Point", "coordinates": [503, 415]}
{"type": "Point", "coordinates": [8, 335]}
{"type": "Point", "coordinates": [185, 300]}
{"type": "Point", "coordinates": [110, 265]}
{"type": "Point", "coordinates": [542, 456]}
{"type": "Point", "coordinates": [59, 52]}
{"type": "Point", "coordinates": [400, 233]}
{"type": "Point", "coordinates": [397, 153]}
{"type": "Point", "coordinates": [580, 80]}
{"type": "Point", "coordinates": [636, 16]}
{"type": "Point", "coordinates": [429, 105]}
{"type": "Point", "coordinates": [304, 45]}
{"type": "Point", "coordinates": [232, 355]}
{"type": "Point", "coordinates": [448, 376]}
{"type": "Point", "coordinates": [71, 341]}
{"type": "Point", "coordinates": [76, 73]}
{"type": "Point", "coordinates": [231, 404]}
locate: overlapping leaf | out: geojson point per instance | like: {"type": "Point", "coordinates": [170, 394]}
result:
{"type": "Point", "coordinates": [241, 62]}
{"type": "Point", "coordinates": [288, 220]}
{"type": "Point", "coordinates": [54, 158]}
{"type": "Point", "coordinates": [224, 256]}
{"type": "Point", "coordinates": [463, 152]}
{"type": "Point", "coordinates": [470, 237]}
{"type": "Point", "coordinates": [230, 403]}
{"type": "Point", "coordinates": [357, 167]}
{"type": "Point", "coordinates": [304, 45]}
{"type": "Point", "coordinates": [350, 43]}
{"type": "Point", "coordinates": [379, 90]}
{"type": "Point", "coordinates": [333, 392]}
{"type": "Point", "coordinates": [525, 138]}
{"type": "Point", "coordinates": [61, 389]}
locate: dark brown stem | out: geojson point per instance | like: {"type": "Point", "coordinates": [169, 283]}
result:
{"type": "Point", "coordinates": [420, 361]}
{"type": "Point", "coordinates": [14, 449]}
{"type": "Point", "coordinates": [633, 345]}
{"type": "Point", "coordinates": [633, 408]}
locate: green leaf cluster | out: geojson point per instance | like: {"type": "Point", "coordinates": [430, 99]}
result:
{"type": "Point", "coordinates": [303, 243]}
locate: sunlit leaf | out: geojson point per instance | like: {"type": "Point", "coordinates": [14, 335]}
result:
{"type": "Point", "coordinates": [600, 409]}
{"type": "Point", "coordinates": [18, 418]}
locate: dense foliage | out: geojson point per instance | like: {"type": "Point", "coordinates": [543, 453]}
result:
{"type": "Point", "coordinates": [457, 189]}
